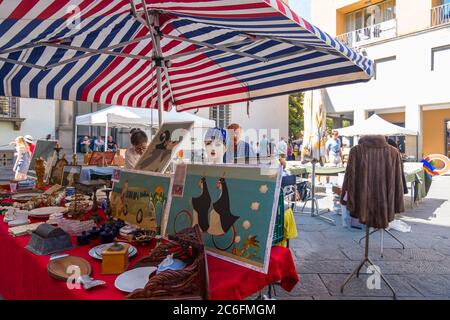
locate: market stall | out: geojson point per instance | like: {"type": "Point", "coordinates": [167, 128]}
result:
{"type": "Point", "coordinates": [186, 54]}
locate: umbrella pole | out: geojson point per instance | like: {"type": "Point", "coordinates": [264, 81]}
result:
{"type": "Point", "coordinates": [159, 92]}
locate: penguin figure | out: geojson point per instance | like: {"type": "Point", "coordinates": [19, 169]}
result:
{"type": "Point", "coordinates": [201, 206]}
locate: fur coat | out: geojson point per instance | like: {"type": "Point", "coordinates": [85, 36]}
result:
{"type": "Point", "coordinates": [373, 184]}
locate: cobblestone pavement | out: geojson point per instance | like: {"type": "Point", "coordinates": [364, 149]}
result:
{"type": "Point", "coordinates": [325, 255]}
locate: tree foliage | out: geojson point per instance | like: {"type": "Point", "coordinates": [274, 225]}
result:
{"type": "Point", "coordinates": [296, 115]}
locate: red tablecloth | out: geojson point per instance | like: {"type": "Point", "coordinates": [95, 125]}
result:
{"type": "Point", "coordinates": [23, 275]}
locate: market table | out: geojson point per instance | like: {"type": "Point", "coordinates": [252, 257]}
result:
{"type": "Point", "coordinates": [23, 275]}
{"type": "Point", "coordinates": [296, 168]}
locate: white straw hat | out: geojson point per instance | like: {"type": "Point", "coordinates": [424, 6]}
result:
{"type": "Point", "coordinates": [28, 138]}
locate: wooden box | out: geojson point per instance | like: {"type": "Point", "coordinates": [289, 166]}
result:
{"type": "Point", "coordinates": [115, 259]}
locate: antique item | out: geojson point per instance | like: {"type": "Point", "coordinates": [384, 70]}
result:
{"type": "Point", "coordinates": [45, 212]}
{"type": "Point", "coordinates": [163, 147]}
{"type": "Point", "coordinates": [13, 186]}
{"type": "Point", "coordinates": [134, 279]}
{"type": "Point", "coordinates": [235, 208]}
{"type": "Point", "coordinates": [190, 283]}
{"type": "Point", "coordinates": [97, 252]}
{"type": "Point", "coordinates": [58, 149]}
{"type": "Point", "coordinates": [141, 236]}
{"type": "Point", "coordinates": [24, 229]}
{"type": "Point", "coordinates": [115, 259]}
{"type": "Point", "coordinates": [74, 160]}
{"type": "Point", "coordinates": [58, 169]}
{"type": "Point", "coordinates": [40, 173]}
{"type": "Point", "coordinates": [44, 149]}
{"type": "Point", "coordinates": [169, 263]}
{"type": "Point", "coordinates": [101, 159]}
{"type": "Point", "coordinates": [47, 239]}
{"type": "Point", "coordinates": [108, 210]}
{"type": "Point", "coordinates": [89, 283]}
{"type": "Point", "coordinates": [24, 197]}
{"type": "Point", "coordinates": [71, 175]}
{"type": "Point", "coordinates": [92, 187]}
{"type": "Point", "coordinates": [141, 199]}
{"type": "Point", "coordinates": [58, 267]}
{"type": "Point", "coordinates": [83, 239]}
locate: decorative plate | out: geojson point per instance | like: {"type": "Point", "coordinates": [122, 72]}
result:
{"type": "Point", "coordinates": [45, 212]}
{"type": "Point", "coordinates": [58, 268]}
{"type": "Point", "coordinates": [133, 279]}
{"type": "Point", "coordinates": [25, 196]}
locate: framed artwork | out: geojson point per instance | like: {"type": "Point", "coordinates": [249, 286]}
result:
{"type": "Point", "coordinates": [57, 170]}
{"type": "Point", "coordinates": [101, 159]}
{"type": "Point", "coordinates": [142, 198]}
{"type": "Point", "coordinates": [71, 174]}
{"type": "Point", "coordinates": [234, 206]}
{"type": "Point", "coordinates": [163, 147]}
{"type": "Point", "coordinates": [44, 149]}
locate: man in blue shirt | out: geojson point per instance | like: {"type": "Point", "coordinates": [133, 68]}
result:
{"type": "Point", "coordinates": [237, 148]}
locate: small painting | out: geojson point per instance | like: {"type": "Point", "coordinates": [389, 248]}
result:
{"type": "Point", "coordinates": [57, 170]}
{"type": "Point", "coordinates": [142, 198]}
{"type": "Point", "coordinates": [234, 206]}
{"type": "Point", "coordinates": [44, 149]}
{"type": "Point", "coordinates": [71, 175]}
{"type": "Point", "coordinates": [101, 159]}
{"type": "Point", "coordinates": [164, 146]}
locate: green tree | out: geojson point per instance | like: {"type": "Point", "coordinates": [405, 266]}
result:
{"type": "Point", "coordinates": [296, 114]}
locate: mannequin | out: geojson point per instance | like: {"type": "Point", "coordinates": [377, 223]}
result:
{"type": "Point", "coordinates": [215, 145]}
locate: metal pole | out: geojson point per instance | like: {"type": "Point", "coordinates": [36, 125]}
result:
{"type": "Point", "coordinates": [76, 139]}
{"type": "Point", "coordinates": [313, 188]}
{"type": "Point", "coordinates": [159, 93]}
{"type": "Point", "coordinates": [106, 134]}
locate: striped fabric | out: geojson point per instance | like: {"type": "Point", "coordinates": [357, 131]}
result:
{"type": "Point", "coordinates": [273, 52]}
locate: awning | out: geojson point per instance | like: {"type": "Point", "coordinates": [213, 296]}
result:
{"type": "Point", "coordinates": [375, 125]}
{"type": "Point", "coordinates": [118, 116]}
{"type": "Point", "coordinates": [198, 52]}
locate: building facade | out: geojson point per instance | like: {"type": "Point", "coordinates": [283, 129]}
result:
{"type": "Point", "coordinates": [409, 41]}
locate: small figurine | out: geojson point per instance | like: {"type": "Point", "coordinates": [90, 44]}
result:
{"type": "Point", "coordinates": [40, 173]}
{"type": "Point", "coordinates": [74, 159]}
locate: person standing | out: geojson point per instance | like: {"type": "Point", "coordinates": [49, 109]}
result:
{"type": "Point", "coordinates": [29, 140]}
{"type": "Point", "coordinates": [264, 147]}
{"type": "Point", "coordinates": [23, 159]}
{"type": "Point", "coordinates": [237, 148]}
{"type": "Point", "coordinates": [333, 149]}
{"type": "Point", "coordinates": [139, 142]}
{"type": "Point", "coordinates": [282, 148]}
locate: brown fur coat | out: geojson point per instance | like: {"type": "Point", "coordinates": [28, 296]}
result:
{"type": "Point", "coordinates": [373, 182]}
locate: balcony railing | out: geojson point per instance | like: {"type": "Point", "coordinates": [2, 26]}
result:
{"type": "Point", "coordinates": [376, 32]}
{"type": "Point", "coordinates": [440, 15]}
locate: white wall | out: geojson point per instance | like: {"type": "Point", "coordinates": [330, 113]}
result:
{"type": "Point", "coordinates": [410, 80]}
{"type": "Point", "coordinates": [265, 115]}
{"type": "Point", "coordinates": [39, 120]}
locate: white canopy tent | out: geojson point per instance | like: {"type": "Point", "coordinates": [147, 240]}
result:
{"type": "Point", "coordinates": [375, 125]}
{"type": "Point", "coordinates": [125, 117]}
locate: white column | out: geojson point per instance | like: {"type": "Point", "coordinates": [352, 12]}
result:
{"type": "Point", "coordinates": [413, 121]}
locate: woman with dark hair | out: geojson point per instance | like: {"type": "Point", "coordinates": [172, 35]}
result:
{"type": "Point", "coordinates": [201, 206]}
{"type": "Point", "coordinates": [139, 142]}
{"type": "Point", "coordinates": [221, 218]}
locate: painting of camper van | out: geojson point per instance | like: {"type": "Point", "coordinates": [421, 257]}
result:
{"type": "Point", "coordinates": [141, 198]}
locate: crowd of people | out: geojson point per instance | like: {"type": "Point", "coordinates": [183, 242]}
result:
{"type": "Point", "coordinates": [89, 144]}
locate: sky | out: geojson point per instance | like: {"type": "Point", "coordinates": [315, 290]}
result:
{"type": "Point", "coordinates": [301, 7]}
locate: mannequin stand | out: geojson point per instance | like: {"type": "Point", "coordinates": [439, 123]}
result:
{"type": "Point", "coordinates": [382, 239]}
{"type": "Point", "coordinates": [365, 261]}
{"type": "Point", "coordinates": [315, 211]}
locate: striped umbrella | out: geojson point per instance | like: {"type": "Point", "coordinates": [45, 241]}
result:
{"type": "Point", "coordinates": [160, 53]}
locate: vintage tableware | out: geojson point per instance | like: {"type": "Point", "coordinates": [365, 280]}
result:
{"type": "Point", "coordinates": [133, 279]}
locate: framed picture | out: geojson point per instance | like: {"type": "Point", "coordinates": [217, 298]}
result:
{"type": "Point", "coordinates": [71, 174]}
{"type": "Point", "coordinates": [101, 159]}
{"type": "Point", "coordinates": [57, 170]}
{"type": "Point", "coordinates": [44, 149]}
{"type": "Point", "coordinates": [142, 198]}
{"type": "Point", "coordinates": [163, 147]}
{"type": "Point", "coordinates": [234, 206]}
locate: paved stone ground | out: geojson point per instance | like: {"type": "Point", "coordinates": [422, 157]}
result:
{"type": "Point", "coordinates": [325, 255]}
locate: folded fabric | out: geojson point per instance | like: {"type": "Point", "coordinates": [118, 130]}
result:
{"type": "Point", "coordinates": [290, 227]}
